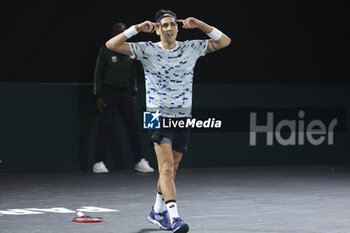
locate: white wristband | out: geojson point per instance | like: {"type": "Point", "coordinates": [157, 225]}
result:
{"type": "Point", "coordinates": [131, 31]}
{"type": "Point", "coordinates": [215, 34]}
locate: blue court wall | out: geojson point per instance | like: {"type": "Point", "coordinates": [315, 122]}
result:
{"type": "Point", "coordinates": [52, 127]}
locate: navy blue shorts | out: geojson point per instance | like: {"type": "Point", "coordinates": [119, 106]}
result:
{"type": "Point", "coordinates": [179, 137]}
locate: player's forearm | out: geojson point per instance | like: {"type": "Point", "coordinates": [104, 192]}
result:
{"type": "Point", "coordinates": [119, 44]}
{"type": "Point", "coordinates": [204, 27]}
{"type": "Point", "coordinates": [115, 43]}
{"type": "Point", "coordinates": [221, 42]}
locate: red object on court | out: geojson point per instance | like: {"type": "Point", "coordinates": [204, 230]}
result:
{"type": "Point", "coordinates": [87, 219]}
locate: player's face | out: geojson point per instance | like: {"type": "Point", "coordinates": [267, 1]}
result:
{"type": "Point", "coordinates": [167, 29]}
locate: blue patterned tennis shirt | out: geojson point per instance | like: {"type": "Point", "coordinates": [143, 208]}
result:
{"type": "Point", "coordinates": [169, 74]}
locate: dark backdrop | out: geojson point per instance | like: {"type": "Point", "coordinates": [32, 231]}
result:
{"type": "Point", "coordinates": [273, 42]}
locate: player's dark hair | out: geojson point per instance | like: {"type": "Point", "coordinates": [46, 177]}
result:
{"type": "Point", "coordinates": [162, 12]}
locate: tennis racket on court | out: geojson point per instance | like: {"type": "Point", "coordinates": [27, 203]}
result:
{"type": "Point", "coordinates": [82, 218]}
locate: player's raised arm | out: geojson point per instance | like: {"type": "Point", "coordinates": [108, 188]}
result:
{"type": "Point", "coordinates": [218, 39]}
{"type": "Point", "coordinates": [119, 44]}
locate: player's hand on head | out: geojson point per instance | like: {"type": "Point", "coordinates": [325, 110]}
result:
{"type": "Point", "coordinates": [147, 26]}
{"type": "Point", "coordinates": [189, 23]}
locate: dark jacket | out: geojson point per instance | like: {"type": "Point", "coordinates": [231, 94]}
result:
{"type": "Point", "coordinates": [114, 69]}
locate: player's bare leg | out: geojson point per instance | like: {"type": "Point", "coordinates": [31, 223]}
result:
{"type": "Point", "coordinates": [166, 167]}
{"type": "Point", "coordinates": [177, 156]}
{"type": "Point", "coordinates": [167, 163]}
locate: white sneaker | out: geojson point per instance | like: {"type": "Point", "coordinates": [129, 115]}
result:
{"type": "Point", "coordinates": [99, 168]}
{"type": "Point", "coordinates": [143, 166]}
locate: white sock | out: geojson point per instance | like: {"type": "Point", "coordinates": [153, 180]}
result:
{"type": "Point", "coordinates": [172, 210]}
{"type": "Point", "coordinates": [159, 205]}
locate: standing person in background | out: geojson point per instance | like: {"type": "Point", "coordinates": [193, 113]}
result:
{"type": "Point", "coordinates": [115, 87]}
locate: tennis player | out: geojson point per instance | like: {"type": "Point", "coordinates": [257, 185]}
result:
{"type": "Point", "coordinates": [168, 66]}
